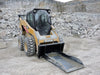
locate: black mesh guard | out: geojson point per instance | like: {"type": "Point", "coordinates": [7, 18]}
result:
{"type": "Point", "coordinates": [48, 48]}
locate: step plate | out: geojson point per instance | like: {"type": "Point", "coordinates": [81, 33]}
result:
{"type": "Point", "coordinates": [64, 62]}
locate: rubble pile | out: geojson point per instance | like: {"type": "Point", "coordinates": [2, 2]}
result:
{"type": "Point", "coordinates": [78, 24]}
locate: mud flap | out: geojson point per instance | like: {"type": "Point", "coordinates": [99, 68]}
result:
{"type": "Point", "coordinates": [65, 62]}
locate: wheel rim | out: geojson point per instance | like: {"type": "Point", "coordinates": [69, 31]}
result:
{"type": "Point", "coordinates": [25, 45]}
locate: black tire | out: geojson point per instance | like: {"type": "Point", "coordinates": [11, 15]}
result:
{"type": "Point", "coordinates": [30, 46]}
{"type": "Point", "coordinates": [21, 42]}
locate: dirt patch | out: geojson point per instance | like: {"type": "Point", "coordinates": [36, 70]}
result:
{"type": "Point", "coordinates": [15, 62]}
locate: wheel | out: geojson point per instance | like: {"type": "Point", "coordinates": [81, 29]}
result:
{"type": "Point", "coordinates": [21, 42]}
{"type": "Point", "coordinates": [30, 46]}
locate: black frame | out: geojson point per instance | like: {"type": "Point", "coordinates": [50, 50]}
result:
{"type": "Point", "coordinates": [35, 10]}
{"type": "Point", "coordinates": [28, 20]}
{"type": "Point", "coordinates": [47, 48]}
{"type": "Point", "coordinates": [33, 14]}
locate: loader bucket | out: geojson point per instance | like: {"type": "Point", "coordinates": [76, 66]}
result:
{"type": "Point", "coordinates": [48, 48]}
{"type": "Point", "coordinates": [64, 62]}
{"type": "Point", "coordinates": [54, 54]}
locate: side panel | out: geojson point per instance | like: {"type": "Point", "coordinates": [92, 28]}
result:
{"type": "Point", "coordinates": [29, 30]}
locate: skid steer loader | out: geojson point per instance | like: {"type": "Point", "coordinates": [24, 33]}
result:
{"type": "Point", "coordinates": [38, 36]}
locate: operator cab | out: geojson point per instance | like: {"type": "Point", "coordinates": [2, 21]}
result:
{"type": "Point", "coordinates": [40, 20]}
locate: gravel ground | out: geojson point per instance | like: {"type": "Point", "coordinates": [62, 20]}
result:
{"type": "Point", "coordinates": [15, 62]}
